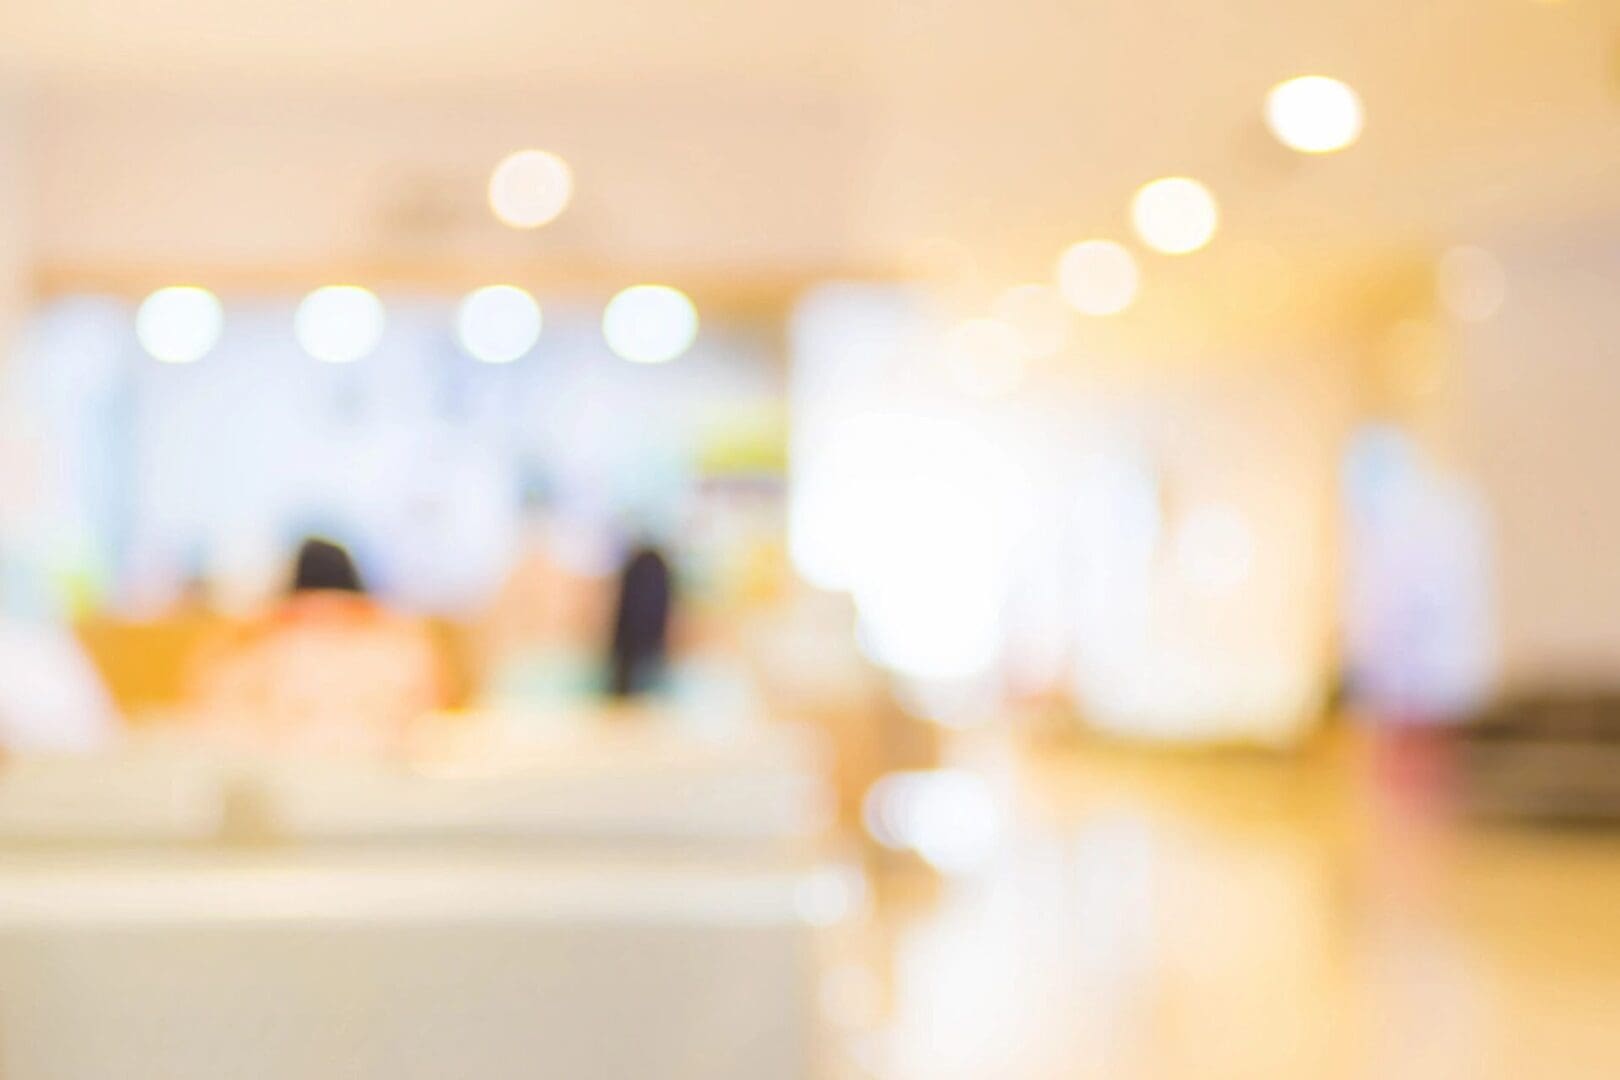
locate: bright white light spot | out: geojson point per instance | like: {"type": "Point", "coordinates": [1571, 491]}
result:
{"type": "Point", "coordinates": [650, 324]}
{"type": "Point", "coordinates": [985, 358]}
{"type": "Point", "coordinates": [1037, 314]}
{"type": "Point", "coordinates": [530, 188]}
{"type": "Point", "coordinates": [179, 324]}
{"type": "Point", "coordinates": [938, 510]}
{"type": "Point", "coordinates": [949, 817]}
{"type": "Point", "coordinates": [339, 323]}
{"type": "Point", "coordinates": [1174, 215]}
{"type": "Point", "coordinates": [497, 324]}
{"type": "Point", "coordinates": [1314, 114]}
{"type": "Point", "coordinates": [1214, 549]}
{"type": "Point", "coordinates": [1097, 277]}
{"type": "Point", "coordinates": [1471, 282]}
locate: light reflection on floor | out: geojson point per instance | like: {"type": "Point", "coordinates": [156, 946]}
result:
{"type": "Point", "coordinates": [1252, 916]}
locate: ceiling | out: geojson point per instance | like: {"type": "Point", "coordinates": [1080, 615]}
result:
{"type": "Point", "coordinates": [767, 137]}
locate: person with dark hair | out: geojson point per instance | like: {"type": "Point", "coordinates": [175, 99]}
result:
{"type": "Point", "coordinates": [323, 566]}
{"type": "Point", "coordinates": [638, 651]}
{"type": "Point", "coordinates": [328, 668]}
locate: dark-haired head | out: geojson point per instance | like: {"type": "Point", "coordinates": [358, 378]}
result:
{"type": "Point", "coordinates": [325, 566]}
{"type": "Point", "coordinates": [641, 625]}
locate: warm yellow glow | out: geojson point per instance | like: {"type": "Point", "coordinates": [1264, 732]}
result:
{"type": "Point", "coordinates": [1314, 114]}
{"type": "Point", "coordinates": [650, 324]}
{"type": "Point", "coordinates": [497, 324]}
{"type": "Point", "coordinates": [1412, 361]}
{"type": "Point", "coordinates": [985, 357]}
{"type": "Point", "coordinates": [530, 188]}
{"type": "Point", "coordinates": [1471, 283]}
{"type": "Point", "coordinates": [1174, 215]}
{"type": "Point", "coordinates": [1097, 277]}
{"type": "Point", "coordinates": [179, 324]}
{"type": "Point", "coordinates": [1038, 316]}
{"type": "Point", "coordinates": [339, 323]}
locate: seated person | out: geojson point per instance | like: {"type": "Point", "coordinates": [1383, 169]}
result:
{"type": "Point", "coordinates": [638, 650]}
{"type": "Point", "coordinates": [327, 669]}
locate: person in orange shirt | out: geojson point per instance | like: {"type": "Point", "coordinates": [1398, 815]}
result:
{"type": "Point", "coordinates": [327, 670]}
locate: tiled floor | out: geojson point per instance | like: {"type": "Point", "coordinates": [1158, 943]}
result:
{"type": "Point", "coordinates": [1150, 915]}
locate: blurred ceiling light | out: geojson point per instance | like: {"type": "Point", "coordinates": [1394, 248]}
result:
{"type": "Point", "coordinates": [529, 188]}
{"type": "Point", "coordinates": [650, 324]}
{"type": "Point", "coordinates": [1214, 548]}
{"type": "Point", "coordinates": [179, 324]}
{"type": "Point", "coordinates": [985, 358]}
{"type": "Point", "coordinates": [1037, 314]}
{"type": "Point", "coordinates": [1471, 283]}
{"type": "Point", "coordinates": [1314, 114]}
{"type": "Point", "coordinates": [1097, 277]}
{"type": "Point", "coordinates": [339, 323]}
{"type": "Point", "coordinates": [497, 324]}
{"type": "Point", "coordinates": [1174, 215]}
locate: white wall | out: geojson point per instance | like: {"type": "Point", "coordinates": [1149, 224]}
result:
{"type": "Point", "coordinates": [1066, 526]}
{"type": "Point", "coordinates": [1538, 397]}
{"type": "Point", "coordinates": [1236, 563]}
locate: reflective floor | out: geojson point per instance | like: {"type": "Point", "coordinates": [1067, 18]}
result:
{"type": "Point", "coordinates": [1238, 915]}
